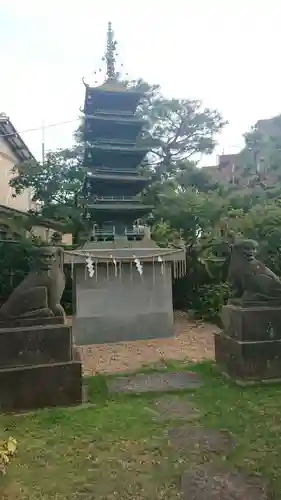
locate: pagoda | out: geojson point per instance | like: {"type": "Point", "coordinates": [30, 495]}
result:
{"type": "Point", "coordinates": [122, 279]}
{"type": "Point", "coordinates": [112, 157]}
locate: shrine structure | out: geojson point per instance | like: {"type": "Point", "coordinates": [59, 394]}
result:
{"type": "Point", "coordinates": [122, 279]}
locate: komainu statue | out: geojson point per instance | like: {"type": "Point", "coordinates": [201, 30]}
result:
{"type": "Point", "coordinates": [39, 294]}
{"type": "Point", "coordinates": [252, 283]}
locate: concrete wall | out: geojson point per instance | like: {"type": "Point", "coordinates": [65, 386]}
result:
{"type": "Point", "coordinates": [7, 162]}
{"type": "Point", "coordinates": [122, 308]}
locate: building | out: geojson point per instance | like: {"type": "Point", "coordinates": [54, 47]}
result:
{"type": "Point", "coordinates": [270, 126]}
{"type": "Point", "coordinates": [122, 279]}
{"type": "Point", "coordinates": [229, 169]}
{"type": "Point", "coordinates": [14, 209]}
{"type": "Point", "coordinates": [226, 169]}
{"type": "Point", "coordinates": [13, 150]}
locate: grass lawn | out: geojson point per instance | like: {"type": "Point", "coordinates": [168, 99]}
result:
{"type": "Point", "coordinates": [116, 450]}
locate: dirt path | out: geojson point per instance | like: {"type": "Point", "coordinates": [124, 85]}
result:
{"type": "Point", "coordinates": [193, 341]}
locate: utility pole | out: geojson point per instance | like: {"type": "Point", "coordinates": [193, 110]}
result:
{"type": "Point", "coordinates": [43, 142]}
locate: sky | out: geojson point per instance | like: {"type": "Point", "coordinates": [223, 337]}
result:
{"type": "Point", "coordinates": [223, 52]}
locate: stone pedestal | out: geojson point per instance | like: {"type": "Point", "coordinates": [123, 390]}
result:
{"type": "Point", "coordinates": [35, 345]}
{"type": "Point", "coordinates": [38, 366]}
{"type": "Point", "coordinates": [120, 305]}
{"type": "Point", "coordinates": [249, 348]}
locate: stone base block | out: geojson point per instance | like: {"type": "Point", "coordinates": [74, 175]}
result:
{"type": "Point", "coordinates": [253, 361]}
{"type": "Point", "coordinates": [252, 324]}
{"type": "Point", "coordinates": [42, 386]}
{"type": "Point", "coordinates": [35, 345]}
{"type": "Point", "coordinates": [106, 329]}
{"type": "Point", "coordinates": [16, 322]}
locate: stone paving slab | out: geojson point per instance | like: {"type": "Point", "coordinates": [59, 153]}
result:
{"type": "Point", "coordinates": [192, 438]}
{"type": "Point", "coordinates": [154, 382]}
{"type": "Point", "coordinates": [204, 483]}
{"type": "Point", "coordinates": [175, 408]}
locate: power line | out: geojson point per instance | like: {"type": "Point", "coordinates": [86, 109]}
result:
{"type": "Point", "coordinates": [65, 122]}
{"type": "Point", "coordinates": [35, 129]}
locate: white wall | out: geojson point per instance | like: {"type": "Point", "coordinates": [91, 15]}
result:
{"type": "Point", "coordinates": [7, 162]}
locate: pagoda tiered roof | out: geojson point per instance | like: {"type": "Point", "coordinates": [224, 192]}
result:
{"type": "Point", "coordinates": [113, 96]}
{"type": "Point", "coordinates": [112, 156]}
{"type": "Point", "coordinates": [112, 128]}
{"type": "Point", "coordinates": [115, 177]}
{"type": "Point", "coordinates": [112, 84]}
{"type": "Point", "coordinates": [112, 117]}
{"type": "Point", "coordinates": [127, 156]}
{"type": "Point", "coordinates": [117, 146]}
{"type": "Point", "coordinates": [111, 204]}
{"type": "Point", "coordinates": [108, 208]}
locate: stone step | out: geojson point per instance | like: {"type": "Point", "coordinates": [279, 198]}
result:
{"type": "Point", "coordinates": [174, 407]}
{"type": "Point", "coordinates": [195, 439]}
{"type": "Point", "coordinates": [154, 382]}
{"type": "Point", "coordinates": [208, 483]}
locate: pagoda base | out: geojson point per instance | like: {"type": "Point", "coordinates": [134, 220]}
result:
{"type": "Point", "coordinates": [120, 305]}
{"type": "Point", "coordinates": [106, 329]}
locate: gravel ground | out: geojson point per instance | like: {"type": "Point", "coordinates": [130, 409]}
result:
{"type": "Point", "coordinates": [193, 341]}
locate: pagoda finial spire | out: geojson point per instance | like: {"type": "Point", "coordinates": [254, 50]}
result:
{"type": "Point", "coordinates": [110, 53]}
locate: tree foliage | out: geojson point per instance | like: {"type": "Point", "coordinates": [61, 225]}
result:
{"type": "Point", "coordinates": [177, 130]}
{"type": "Point", "coordinates": [208, 213]}
{"type": "Point", "coordinates": [54, 184]}
{"type": "Point", "coordinates": [191, 205]}
{"type": "Point", "coordinates": [174, 130]}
